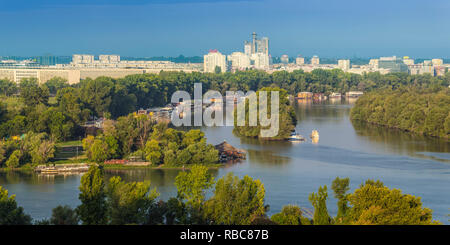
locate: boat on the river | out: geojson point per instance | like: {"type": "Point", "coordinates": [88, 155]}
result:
{"type": "Point", "coordinates": [314, 134]}
{"type": "Point", "coordinates": [295, 136]}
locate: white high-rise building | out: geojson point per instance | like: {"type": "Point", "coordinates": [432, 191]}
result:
{"type": "Point", "coordinates": [261, 61]}
{"type": "Point", "coordinates": [315, 60]}
{"type": "Point", "coordinates": [214, 59]}
{"type": "Point", "coordinates": [344, 65]}
{"type": "Point", "coordinates": [300, 61]}
{"type": "Point", "coordinates": [248, 48]}
{"type": "Point", "coordinates": [262, 46]}
{"type": "Point", "coordinates": [256, 45]}
{"type": "Point", "coordinates": [239, 61]}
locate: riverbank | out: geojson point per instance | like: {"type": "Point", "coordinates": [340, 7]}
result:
{"type": "Point", "coordinates": [109, 167]}
{"type": "Point", "coordinates": [421, 111]}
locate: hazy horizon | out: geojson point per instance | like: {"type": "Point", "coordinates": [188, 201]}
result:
{"type": "Point", "coordinates": [152, 28]}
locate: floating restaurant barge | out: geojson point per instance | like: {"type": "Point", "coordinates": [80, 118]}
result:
{"type": "Point", "coordinates": [62, 168]}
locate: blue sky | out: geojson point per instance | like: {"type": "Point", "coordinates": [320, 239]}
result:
{"type": "Point", "coordinates": [143, 28]}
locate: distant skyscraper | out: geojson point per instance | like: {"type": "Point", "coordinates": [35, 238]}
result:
{"type": "Point", "coordinates": [256, 45]}
{"type": "Point", "coordinates": [248, 48]}
{"type": "Point", "coordinates": [253, 42]}
{"type": "Point", "coordinates": [262, 46]}
{"type": "Point", "coordinates": [214, 59]}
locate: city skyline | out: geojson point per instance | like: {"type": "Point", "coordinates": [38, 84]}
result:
{"type": "Point", "coordinates": [149, 28]}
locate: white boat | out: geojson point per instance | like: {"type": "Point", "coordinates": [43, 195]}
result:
{"type": "Point", "coordinates": [314, 134]}
{"type": "Point", "coordinates": [296, 137]}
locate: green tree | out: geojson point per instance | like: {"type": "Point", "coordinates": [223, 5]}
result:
{"type": "Point", "coordinates": [153, 152]}
{"type": "Point", "coordinates": [10, 213]}
{"type": "Point", "coordinates": [96, 94]}
{"type": "Point", "coordinates": [129, 203]}
{"type": "Point", "coordinates": [340, 188]}
{"type": "Point", "coordinates": [32, 94]}
{"type": "Point", "coordinates": [7, 87]}
{"type": "Point", "coordinates": [2, 153]}
{"type": "Point", "coordinates": [375, 204]}
{"type": "Point", "coordinates": [236, 201]}
{"type": "Point", "coordinates": [14, 159]}
{"type": "Point", "coordinates": [193, 185]}
{"type": "Point", "coordinates": [64, 215]}
{"type": "Point", "coordinates": [93, 207]}
{"type": "Point", "coordinates": [289, 215]}
{"type": "Point", "coordinates": [319, 202]}
{"type": "Point", "coordinates": [55, 84]}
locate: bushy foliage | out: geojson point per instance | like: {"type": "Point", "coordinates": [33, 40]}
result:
{"type": "Point", "coordinates": [420, 111]}
{"type": "Point", "coordinates": [129, 202]}
{"type": "Point", "coordinates": [10, 213]}
{"type": "Point", "coordinates": [93, 207]}
{"type": "Point", "coordinates": [286, 115]}
{"type": "Point", "coordinates": [236, 201]}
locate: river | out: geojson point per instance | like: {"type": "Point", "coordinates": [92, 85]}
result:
{"type": "Point", "coordinates": [290, 171]}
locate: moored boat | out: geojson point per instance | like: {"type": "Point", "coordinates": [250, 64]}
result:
{"type": "Point", "coordinates": [314, 134]}
{"type": "Point", "coordinates": [296, 137]}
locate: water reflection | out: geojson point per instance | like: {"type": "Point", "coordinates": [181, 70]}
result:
{"type": "Point", "coordinates": [290, 172]}
{"type": "Point", "coordinates": [400, 142]}
{"type": "Point", "coordinates": [267, 157]}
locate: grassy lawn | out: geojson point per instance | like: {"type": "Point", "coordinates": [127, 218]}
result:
{"type": "Point", "coordinates": [69, 143]}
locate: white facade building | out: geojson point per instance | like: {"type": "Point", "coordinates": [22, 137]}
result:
{"type": "Point", "coordinates": [261, 61]}
{"type": "Point", "coordinates": [437, 62]}
{"type": "Point", "coordinates": [344, 65]}
{"type": "Point", "coordinates": [109, 59]}
{"type": "Point", "coordinates": [300, 61]}
{"type": "Point", "coordinates": [214, 59]}
{"type": "Point", "coordinates": [82, 59]}
{"type": "Point", "coordinates": [239, 61]}
{"type": "Point", "coordinates": [315, 60]}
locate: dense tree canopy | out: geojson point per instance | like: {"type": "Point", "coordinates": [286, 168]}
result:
{"type": "Point", "coordinates": [236, 201]}
{"type": "Point", "coordinates": [419, 111]}
{"type": "Point", "coordinates": [286, 116]}
{"type": "Point", "coordinates": [93, 208]}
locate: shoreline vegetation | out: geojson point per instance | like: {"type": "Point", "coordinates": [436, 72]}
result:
{"type": "Point", "coordinates": [287, 119]}
{"type": "Point", "coordinates": [37, 120]}
{"type": "Point", "coordinates": [423, 112]}
{"type": "Point", "coordinates": [235, 201]}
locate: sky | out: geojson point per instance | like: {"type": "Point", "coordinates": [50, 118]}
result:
{"type": "Point", "coordinates": [148, 28]}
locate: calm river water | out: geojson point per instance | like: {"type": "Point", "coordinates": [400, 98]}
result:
{"type": "Point", "coordinates": [291, 171]}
